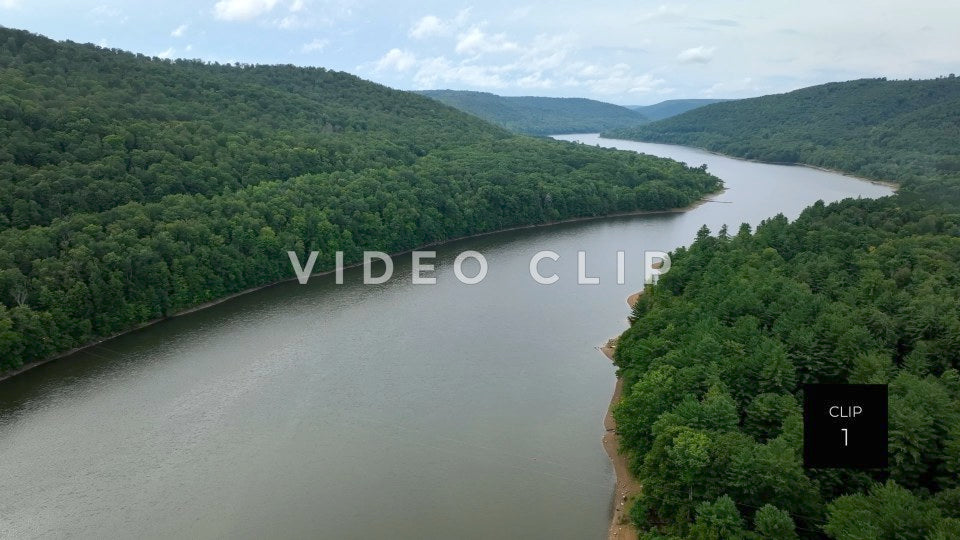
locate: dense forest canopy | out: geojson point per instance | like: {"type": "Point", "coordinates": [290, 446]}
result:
{"type": "Point", "coordinates": [132, 187]}
{"type": "Point", "coordinates": [540, 115]}
{"type": "Point", "coordinates": [859, 291]}
{"type": "Point", "coordinates": [672, 107]}
{"type": "Point", "coordinates": [903, 131]}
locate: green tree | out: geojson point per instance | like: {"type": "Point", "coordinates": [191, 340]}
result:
{"type": "Point", "coordinates": [773, 523]}
{"type": "Point", "coordinates": [719, 520]}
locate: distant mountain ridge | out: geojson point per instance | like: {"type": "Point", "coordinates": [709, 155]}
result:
{"type": "Point", "coordinates": [672, 107]}
{"type": "Point", "coordinates": [904, 131]}
{"type": "Point", "coordinates": [540, 115]}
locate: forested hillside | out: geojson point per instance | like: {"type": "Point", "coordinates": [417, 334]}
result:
{"type": "Point", "coordinates": [905, 131]}
{"type": "Point", "coordinates": [540, 115]}
{"type": "Point", "coordinates": [859, 291]}
{"type": "Point", "coordinates": [133, 187]}
{"type": "Point", "coordinates": [673, 107]}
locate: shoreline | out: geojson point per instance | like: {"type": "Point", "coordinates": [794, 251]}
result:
{"type": "Point", "coordinates": [186, 311]}
{"type": "Point", "coordinates": [627, 486]}
{"type": "Point", "coordinates": [892, 185]}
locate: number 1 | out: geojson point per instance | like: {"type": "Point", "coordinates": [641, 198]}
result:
{"type": "Point", "coordinates": [844, 430]}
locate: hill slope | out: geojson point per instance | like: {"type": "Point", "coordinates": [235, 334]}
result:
{"type": "Point", "coordinates": [861, 291]}
{"type": "Point", "coordinates": [132, 188]}
{"type": "Point", "coordinates": [889, 130]}
{"type": "Point", "coordinates": [673, 107]}
{"type": "Point", "coordinates": [858, 292]}
{"type": "Point", "coordinates": [540, 115]}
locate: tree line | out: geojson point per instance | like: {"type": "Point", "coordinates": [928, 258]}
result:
{"type": "Point", "coordinates": [540, 115]}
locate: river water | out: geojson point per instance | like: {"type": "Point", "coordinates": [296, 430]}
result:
{"type": "Point", "coordinates": [352, 411]}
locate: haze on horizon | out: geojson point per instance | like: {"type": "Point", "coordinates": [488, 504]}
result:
{"type": "Point", "coordinates": [623, 51]}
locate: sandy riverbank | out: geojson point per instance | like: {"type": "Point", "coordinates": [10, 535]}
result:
{"type": "Point", "coordinates": [627, 485]}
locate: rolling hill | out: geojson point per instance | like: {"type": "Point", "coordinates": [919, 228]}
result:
{"type": "Point", "coordinates": [133, 188]}
{"type": "Point", "coordinates": [540, 115]}
{"type": "Point", "coordinates": [904, 131]}
{"type": "Point", "coordinates": [672, 107]}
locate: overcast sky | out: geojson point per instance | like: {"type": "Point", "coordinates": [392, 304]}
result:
{"type": "Point", "coordinates": [627, 52]}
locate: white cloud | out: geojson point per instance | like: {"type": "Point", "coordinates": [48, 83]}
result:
{"type": "Point", "coordinates": [462, 16]}
{"type": "Point", "coordinates": [427, 26]}
{"type": "Point", "coordinates": [546, 52]}
{"type": "Point", "coordinates": [476, 41]}
{"type": "Point", "coordinates": [439, 71]}
{"type": "Point", "coordinates": [315, 45]}
{"type": "Point", "coordinates": [540, 66]}
{"type": "Point", "coordinates": [664, 13]}
{"type": "Point", "coordinates": [544, 63]}
{"type": "Point", "coordinates": [732, 88]}
{"type": "Point", "coordinates": [179, 31]}
{"type": "Point", "coordinates": [299, 15]}
{"type": "Point", "coordinates": [105, 14]}
{"type": "Point", "coordinates": [692, 45]}
{"type": "Point", "coordinates": [241, 10]}
{"type": "Point", "coordinates": [534, 80]}
{"type": "Point", "coordinates": [431, 25]}
{"type": "Point", "coordinates": [696, 55]}
{"type": "Point", "coordinates": [635, 52]}
{"type": "Point", "coordinates": [167, 53]}
{"type": "Point", "coordinates": [288, 22]}
{"type": "Point", "coordinates": [397, 60]}
{"type": "Point", "coordinates": [620, 79]}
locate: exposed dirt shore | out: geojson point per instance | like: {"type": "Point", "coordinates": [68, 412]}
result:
{"type": "Point", "coordinates": [627, 485]}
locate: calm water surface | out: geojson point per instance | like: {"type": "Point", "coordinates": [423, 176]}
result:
{"type": "Point", "coordinates": [351, 411]}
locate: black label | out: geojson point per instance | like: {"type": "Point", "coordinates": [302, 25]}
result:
{"type": "Point", "coordinates": [845, 426]}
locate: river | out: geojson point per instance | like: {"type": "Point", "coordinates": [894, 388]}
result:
{"type": "Point", "coordinates": [351, 411]}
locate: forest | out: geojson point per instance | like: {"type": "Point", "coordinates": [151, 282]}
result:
{"type": "Point", "coordinates": [132, 188]}
{"type": "Point", "coordinates": [903, 131]}
{"type": "Point", "coordinates": [860, 291]}
{"type": "Point", "coordinates": [540, 115]}
{"type": "Point", "coordinates": [672, 107]}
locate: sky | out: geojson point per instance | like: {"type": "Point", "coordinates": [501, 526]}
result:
{"type": "Point", "coordinates": [626, 52]}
